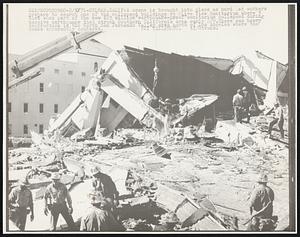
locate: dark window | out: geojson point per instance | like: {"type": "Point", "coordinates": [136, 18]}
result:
{"type": "Point", "coordinates": [56, 71]}
{"type": "Point", "coordinates": [9, 129]}
{"type": "Point", "coordinates": [41, 108]}
{"type": "Point", "coordinates": [25, 107]}
{"type": "Point", "coordinates": [41, 128]}
{"type": "Point", "coordinates": [25, 129]}
{"type": "Point", "coordinates": [96, 68]}
{"type": "Point", "coordinates": [41, 87]}
{"type": "Point", "coordinates": [83, 74]}
{"type": "Point", "coordinates": [9, 107]}
{"type": "Point", "coordinates": [82, 88]}
{"type": "Point", "coordinates": [55, 108]}
{"type": "Point", "coordinates": [70, 72]}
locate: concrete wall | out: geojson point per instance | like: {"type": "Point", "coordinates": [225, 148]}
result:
{"type": "Point", "coordinates": [59, 88]}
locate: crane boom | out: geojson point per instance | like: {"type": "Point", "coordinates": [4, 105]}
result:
{"type": "Point", "coordinates": [31, 59]}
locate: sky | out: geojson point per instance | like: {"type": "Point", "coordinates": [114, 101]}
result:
{"type": "Point", "coordinates": [270, 37]}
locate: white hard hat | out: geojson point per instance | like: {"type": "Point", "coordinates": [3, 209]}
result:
{"type": "Point", "coordinates": [262, 178]}
{"type": "Point", "coordinates": [55, 176]}
{"type": "Point", "coordinates": [23, 181]}
{"type": "Point", "coordinates": [95, 170]}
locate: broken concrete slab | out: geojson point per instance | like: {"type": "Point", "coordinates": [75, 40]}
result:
{"type": "Point", "coordinates": [195, 217]}
{"type": "Point", "coordinates": [160, 151]}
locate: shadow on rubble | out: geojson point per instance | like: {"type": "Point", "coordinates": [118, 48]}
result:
{"type": "Point", "coordinates": [139, 217]}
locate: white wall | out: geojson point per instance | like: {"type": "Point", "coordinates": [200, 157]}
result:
{"type": "Point", "coordinates": [59, 88]}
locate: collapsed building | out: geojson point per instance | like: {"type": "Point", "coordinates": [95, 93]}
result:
{"type": "Point", "coordinates": [121, 94]}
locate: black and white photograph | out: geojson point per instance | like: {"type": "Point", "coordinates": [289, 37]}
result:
{"type": "Point", "coordinates": [149, 117]}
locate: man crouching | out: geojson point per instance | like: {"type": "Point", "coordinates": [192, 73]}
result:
{"type": "Point", "coordinates": [97, 218]}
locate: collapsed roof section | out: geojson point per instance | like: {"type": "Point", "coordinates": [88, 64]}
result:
{"type": "Point", "coordinates": [222, 64]}
{"type": "Point", "coordinates": [181, 76]}
{"type": "Point", "coordinates": [264, 73]}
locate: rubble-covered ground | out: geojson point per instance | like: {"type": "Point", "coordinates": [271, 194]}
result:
{"type": "Point", "coordinates": [224, 170]}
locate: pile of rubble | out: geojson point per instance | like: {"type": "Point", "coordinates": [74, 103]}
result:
{"type": "Point", "coordinates": [149, 182]}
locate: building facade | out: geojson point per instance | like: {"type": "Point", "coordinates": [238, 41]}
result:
{"type": "Point", "coordinates": [32, 104]}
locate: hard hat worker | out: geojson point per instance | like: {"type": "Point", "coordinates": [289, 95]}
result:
{"type": "Point", "coordinates": [98, 219]}
{"type": "Point", "coordinates": [55, 198]}
{"type": "Point", "coordinates": [106, 186]}
{"type": "Point", "coordinates": [278, 118]}
{"type": "Point", "coordinates": [20, 199]}
{"type": "Point", "coordinates": [261, 201]}
{"type": "Point", "coordinates": [237, 103]}
{"type": "Point", "coordinates": [246, 102]}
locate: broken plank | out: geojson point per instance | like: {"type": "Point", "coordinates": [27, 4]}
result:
{"type": "Point", "coordinates": [229, 208]}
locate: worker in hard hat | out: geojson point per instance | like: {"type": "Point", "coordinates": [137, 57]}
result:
{"type": "Point", "coordinates": [106, 186]}
{"type": "Point", "coordinates": [96, 218]}
{"type": "Point", "coordinates": [237, 102]}
{"type": "Point", "coordinates": [182, 108]}
{"type": "Point", "coordinates": [278, 118]}
{"type": "Point", "coordinates": [246, 103]}
{"type": "Point", "coordinates": [168, 106]}
{"type": "Point", "coordinates": [55, 198]}
{"type": "Point", "coordinates": [261, 202]}
{"type": "Point", "coordinates": [20, 199]}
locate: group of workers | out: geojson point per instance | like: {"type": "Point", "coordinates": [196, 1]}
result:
{"type": "Point", "coordinates": [242, 106]}
{"type": "Point", "coordinates": [100, 216]}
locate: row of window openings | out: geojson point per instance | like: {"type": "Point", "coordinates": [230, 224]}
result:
{"type": "Point", "coordinates": [56, 71]}
{"type": "Point", "coordinates": [25, 129]}
{"type": "Point", "coordinates": [42, 88]}
{"type": "Point", "coordinates": [41, 108]}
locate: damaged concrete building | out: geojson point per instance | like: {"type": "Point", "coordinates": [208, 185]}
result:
{"type": "Point", "coordinates": [193, 180]}
{"type": "Point", "coordinates": [124, 95]}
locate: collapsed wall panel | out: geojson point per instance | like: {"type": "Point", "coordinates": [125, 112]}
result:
{"type": "Point", "coordinates": [130, 101]}
{"type": "Point", "coordinates": [83, 112]}
{"type": "Point", "coordinates": [118, 68]}
{"type": "Point", "coordinates": [112, 116]}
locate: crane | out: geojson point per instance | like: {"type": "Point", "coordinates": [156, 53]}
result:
{"type": "Point", "coordinates": [20, 69]}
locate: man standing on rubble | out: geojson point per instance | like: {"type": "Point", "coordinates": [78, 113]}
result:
{"type": "Point", "coordinates": [168, 106]}
{"type": "Point", "coordinates": [55, 198]}
{"type": "Point", "coordinates": [277, 119]}
{"type": "Point", "coordinates": [104, 184]}
{"type": "Point", "coordinates": [237, 103]}
{"type": "Point", "coordinates": [182, 108]}
{"type": "Point", "coordinates": [98, 219]}
{"type": "Point", "coordinates": [20, 199]}
{"type": "Point", "coordinates": [261, 203]}
{"type": "Point", "coordinates": [246, 103]}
